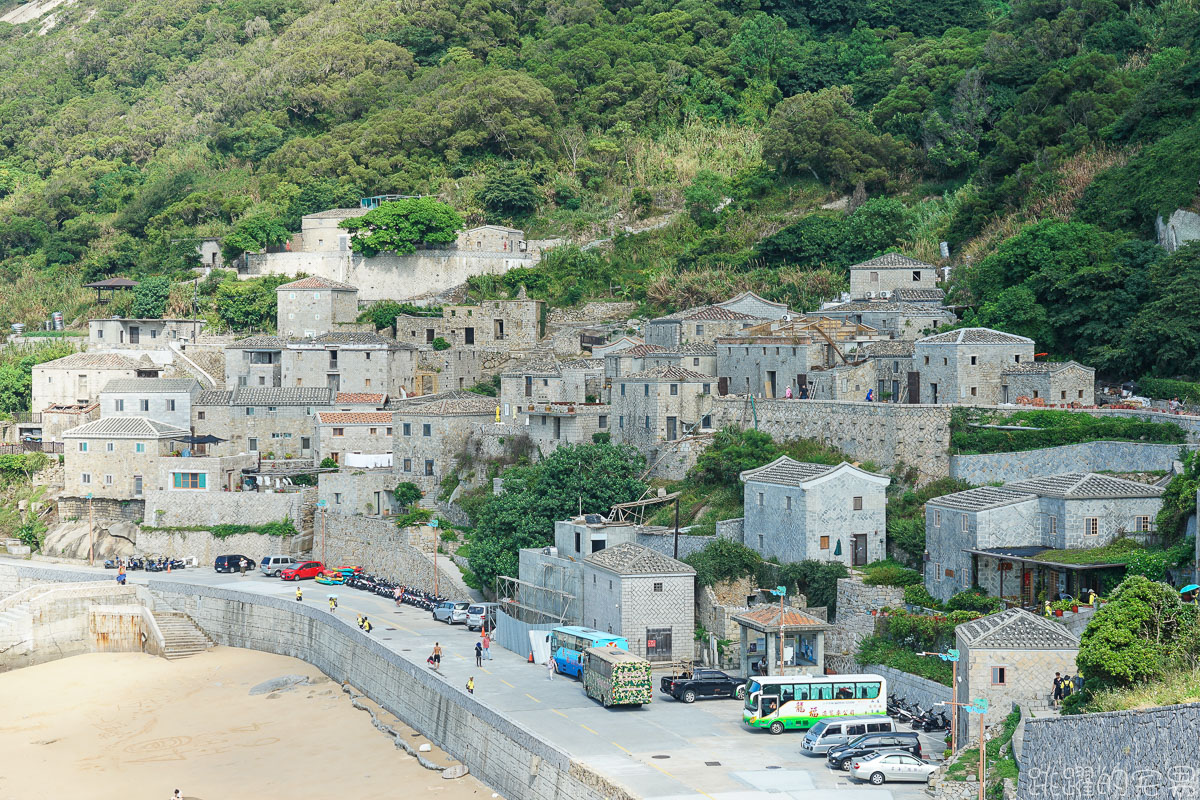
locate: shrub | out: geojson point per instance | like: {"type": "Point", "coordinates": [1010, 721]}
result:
{"type": "Point", "coordinates": [890, 574]}
{"type": "Point", "coordinates": [414, 516]}
{"type": "Point", "coordinates": [440, 344]}
{"type": "Point", "coordinates": [1054, 428]}
{"type": "Point", "coordinates": [283, 528]}
{"type": "Point", "coordinates": [877, 650]}
{"type": "Point", "coordinates": [328, 463]}
{"type": "Point", "coordinates": [1165, 389]}
{"type": "Point", "coordinates": [406, 494]}
{"type": "Point", "coordinates": [918, 595]}
{"type": "Point", "coordinates": [722, 560]}
{"type": "Point", "coordinates": [974, 599]}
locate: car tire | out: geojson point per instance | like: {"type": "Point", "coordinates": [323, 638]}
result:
{"type": "Point", "coordinates": [877, 779]}
{"type": "Point", "coordinates": [842, 765]}
{"type": "Point", "coordinates": [740, 692]}
{"type": "Point", "coordinates": [776, 728]}
{"type": "Point", "coordinates": [277, 573]}
{"type": "Point", "coordinates": [688, 696]}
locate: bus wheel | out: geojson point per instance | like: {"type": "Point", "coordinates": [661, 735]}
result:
{"type": "Point", "coordinates": [776, 727]}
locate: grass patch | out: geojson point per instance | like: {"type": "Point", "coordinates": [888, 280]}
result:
{"type": "Point", "coordinates": [1045, 428]}
{"type": "Point", "coordinates": [1174, 688]}
{"type": "Point", "coordinates": [1117, 552]}
{"type": "Point", "coordinates": [281, 528]}
{"type": "Point", "coordinates": [890, 573]}
{"type": "Point", "coordinates": [998, 767]}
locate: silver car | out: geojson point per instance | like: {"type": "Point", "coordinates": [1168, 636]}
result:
{"type": "Point", "coordinates": [451, 613]}
{"type": "Point", "coordinates": [879, 767]}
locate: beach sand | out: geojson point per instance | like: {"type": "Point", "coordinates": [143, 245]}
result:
{"type": "Point", "coordinates": [133, 726]}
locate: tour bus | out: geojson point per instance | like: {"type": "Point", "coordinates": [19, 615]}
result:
{"type": "Point", "coordinates": [800, 701]}
{"type": "Point", "coordinates": [616, 677]}
{"type": "Point", "coordinates": [568, 642]}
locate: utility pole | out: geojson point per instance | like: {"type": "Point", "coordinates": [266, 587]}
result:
{"type": "Point", "coordinates": [781, 593]}
{"type": "Point", "coordinates": [433, 523]}
{"type": "Point", "coordinates": [91, 534]}
{"type": "Point", "coordinates": [676, 527]}
{"type": "Point", "coordinates": [980, 707]}
{"type": "Point", "coordinates": [952, 657]}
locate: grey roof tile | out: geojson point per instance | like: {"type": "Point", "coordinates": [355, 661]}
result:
{"type": "Point", "coordinates": [975, 336]}
{"type": "Point", "coordinates": [919, 295]}
{"type": "Point", "coordinates": [634, 559]}
{"type": "Point", "coordinates": [982, 498]}
{"type": "Point", "coordinates": [93, 361]}
{"type": "Point", "coordinates": [892, 261]}
{"type": "Point", "coordinates": [125, 428]}
{"type": "Point", "coordinates": [282, 396]}
{"type": "Point", "coordinates": [1085, 485]}
{"type": "Point", "coordinates": [1016, 629]}
{"type": "Point", "coordinates": [261, 342]}
{"type": "Point", "coordinates": [669, 372]}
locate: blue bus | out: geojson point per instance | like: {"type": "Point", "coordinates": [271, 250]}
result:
{"type": "Point", "coordinates": [568, 642]}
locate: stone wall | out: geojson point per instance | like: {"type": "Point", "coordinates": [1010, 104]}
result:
{"type": "Point", "coordinates": [854, 621]}
{"type": "Point", "coordinates": [204, 547]}
{"type": "Point", "coordinates": [55, 623]}
{"type": "Point", "coordinates": [715, 609]}
{"type": "Point", "coordinates": [169, 509]}
{"type": "Point", "coordinates": [886, 433]}
{"type": "Point", "coordinates": [912, 688]}
{"type": "Point", "coordinates": [1086, 457]}
{"type": "Point", "coordinates": [498, 751]}
{"type": "Point", "coordinates": [103, 509]}
{"type": "Point", "coordinates": [379, 547]}
{"type": "Point", "coordinates": [1119, 755]}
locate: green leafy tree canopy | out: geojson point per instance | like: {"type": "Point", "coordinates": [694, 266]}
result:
{"type": "Point", "coordinates": [400, 225]}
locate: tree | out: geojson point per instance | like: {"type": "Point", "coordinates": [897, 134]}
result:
{"type": "Point", "coordinates": [150, 297]}
{"type": "Point", "coordinates": [593, 477]}
{"type": "Point", "coordinates": [732, 452]}
{"type": "Point", "coordinates": [1164, 337]}
{"type": "Point", "coordinates": [406, 494]}
{"type": "Point", "coordinates": [249, 305]}
{"type": "Point", "coordinates": [400, 225]}
{"type": "Point", "coordinates": [510, 193]}
{"type": "Point", "coordinates": [822, 133]}
{"type": "Point", "coordinates": [703, 196]}
{"type": "Point", "coordinates": [251, 234]}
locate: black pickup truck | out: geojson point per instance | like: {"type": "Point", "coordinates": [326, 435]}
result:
{"type": "Point", "coordinates": [702, 684]}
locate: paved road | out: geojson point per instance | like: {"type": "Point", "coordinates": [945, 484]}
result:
{"type": "Point", "coordinates": [666, 750]}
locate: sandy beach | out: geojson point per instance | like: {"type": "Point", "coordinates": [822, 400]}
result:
{"type": "Point", "coordinates": [132, 726]}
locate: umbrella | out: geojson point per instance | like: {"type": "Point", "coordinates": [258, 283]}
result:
{"type": "Point", "coordinates": [1191, 587]}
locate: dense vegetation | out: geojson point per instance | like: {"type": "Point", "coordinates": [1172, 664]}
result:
{"type": "Point", "coordinates": [724, 559]}
{"type": "Point", "coordinates": [1047, 428]}
{"type": "Point", "coordinates": [1041, 139]}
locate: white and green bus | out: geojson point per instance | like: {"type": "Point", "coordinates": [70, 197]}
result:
{"type": "Point", "coordinates": [801, 701]}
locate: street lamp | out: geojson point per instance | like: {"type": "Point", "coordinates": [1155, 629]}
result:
{"type": "Point", "coordinates": [322, 505]}
{"type": "Point", "coordinates": [980, 707]}
{"type": "Point", "coordinates": [780, 592]}
{"type": "Point", "coordinates": [951, 656]}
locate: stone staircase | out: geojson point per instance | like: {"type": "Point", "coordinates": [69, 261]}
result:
{"type": "Point", "coordinates": [182, 636]}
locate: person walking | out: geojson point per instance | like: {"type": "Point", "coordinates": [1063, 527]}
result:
{"type": "Point", "coordinates": [787, 393]}
{"type": "Point", "coordinates": [486, 641]}
{"type": "Point", "coordinates": [121, 573]}
{"type": "Point", "coordinates": [360, 619]}
{"type": "Point", "coordinates": [242, 566]}
{"type": "Point", "coordinates": [479, 654]}
{"type": "Point", "coordinates": [366, 626]}
{"type": "Point", "coordinates": [1057, 689]}
{"type": "Point", "coordinates": [550, 668]}
{"type": "Point", "coordinates": [332, 603]}
{"type": "Point", "coordinates": [299, 595]}
{"type": "Point", "coordinates": [471, 685]}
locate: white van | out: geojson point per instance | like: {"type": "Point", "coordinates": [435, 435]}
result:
{"type": "Point", "coordinates": [837, 731]}
{"type": "Point", "coordinates": [271, 566]}
{"type": "Point", "coordinates": [481, 614]}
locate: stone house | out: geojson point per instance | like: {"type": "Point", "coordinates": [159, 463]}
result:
{"type": "Point", "coordinates": [492, 238]}
{"type": "Point", "coordinates": [896, 319]}
{"type": "Point", "coordinates": [796, 511]}
{"type": "Point", "coordinates": [49, 423]}
{"type": "Point", "coordinates": [991, 536]}
{"type": "Point", "coordinates": [662, 404]}
{"type": "Point", "coordinates": [166, 400]}
{"type": "Point", "coordinates": [278, 421]}
{"type": "Point", "coordinates": [508, 325]}
{"type": "Point", "coordinates": [965, 365]}
{"type": "Point", "coordinates": [643, 595]}
{"type": "Point", "coordinates": [429, 433]}
{"type": "Point", "coordinates": [850, 381]}
{"type": "Point", "coordinates": [355, 439]}
{"type": "Point", "coordinates": [322, 232]}
{"type": "Point", "coordinates": [892, 363]}
{"type": "Point", "coordinates": [702, 324]}
{"type": "Point", "coordinates": [209, 251]}
{"type": "Point", "coordinates": [76, 380]}
{"type": "Point", "coordinates": [544, 381]}
{"type": "Point", "coordinates": [1053, 383]}
{"type": "Point", "coordinates": [1010, 659]}
{"type": "Point", "coordinates": [627, 361]}
{"type": "Point", "coordinates": [697, 356]}
{"type": "Point", "coordinates": [881, 276]}
{"type": "Point", "coordinates": [312, 306]}
{"type": "Point", "coordinates": [201, 474]}
{"type": "Point", "coordinates": [932, 297]}
{"type": "Point", "coordinates": [255, 361]}
{"type": "Point", "coordinates": [354, 361]}
{"type": "Point", "coordinates": [458, 368]}
{"type": "Point", "coordinates": [552, 424]}
{"type": "Point", "coordinates": [359, 491]}
{"type": "Point", "coordinates": [803, 641]}
{"type": "Point", "coordinates": [114, 457]}
{"type": "Point", "coordinates": [756, 306]}
{"type": "Point", "coordinates": [118, 333]}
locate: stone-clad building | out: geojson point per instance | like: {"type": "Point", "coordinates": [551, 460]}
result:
{"type": "Point", "coordinates": [78, 378]}
{"type": "Point", "coordinates": [1049, 382]}
{"type": "Point", "coordinates": [509, 325]}
{"type": "Point", "coordinates": [702, 324]}
{"type": "Point", "coordinates": [992, 536]}
{"type": "Point", "coordinates": [965, 365]}
{"type": "Point", "coordinates": [255, 361]}
{"type": "Point", "coordinates": [351, 362]}
{"type": "Point", "coordinates": [1010, 658]}
{"type": "Point", "coordinates": [539, 382]}
{"type": "Point", "coordinates": [797, 511]}
{"type": "Point", "coordinates": [662, 404]}
{"type": "Point", "coordinates": [892, 363]}
{"type": "Point", "coordinates": [355, 438]}
{"type": "Point", "coordinates": [629, 360]}
{"type": "Point", "coordinates": [312, 306]}
{"type": "Point", "coordinates": [430, 431]}
{"type": "Point", "coordinates": [119, 333]}
{"type": "Point", "coordinates": [115, 458]}
{"type": "Point", "coordinates": [697, 356]}
{"type": "Point", "coordinates": [643, 595]}
{"type": "Point", "coordinates": [896, 319]}
{"type": "Point", "coordinates": [553, 424]}
{"type": "Point", "coordinates": [166, 400]}
{"type": "Point", "coordinates": [881, 276]}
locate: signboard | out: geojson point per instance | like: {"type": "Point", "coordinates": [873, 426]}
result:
{"type": "Point", "coordinates": [433, 523]}
{"type": "Point", "coordinates": [980, 707]}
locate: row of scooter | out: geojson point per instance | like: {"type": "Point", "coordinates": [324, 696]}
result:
{"type": "Point", "coordinates": [926, 720]}
{"type": "Point", "coordinates": [160, 564]}
{"type": "Point", "coordinates": [397, 591]}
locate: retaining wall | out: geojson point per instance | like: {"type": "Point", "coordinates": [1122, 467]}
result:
{"type": "Point", "coordinates": [379, 547]}
{"type": "Point", "coordinates": [912, 688]}
{"type": "Point", "coordinates": [204, 547]}
{"type": "Point", "coordinates": [1119, 755]}
{"type": "Point", "coordinates": [498, 751]}
{"type": "Point", "coordinates": [1086, 457]}
{"type": "Point", "coordinates": [103, 509]}
{"type": "Point", "coordinates": [196, 509]}
{"type": "Point", "coordinates": [854, 621]}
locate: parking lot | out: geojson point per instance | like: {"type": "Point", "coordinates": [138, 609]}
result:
{"type": "Point", "coordinates": [666, 749]}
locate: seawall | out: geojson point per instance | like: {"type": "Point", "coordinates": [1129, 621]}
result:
{"type": "Point", "coordinates": [1086, 457]}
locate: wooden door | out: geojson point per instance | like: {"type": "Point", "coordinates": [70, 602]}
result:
{"type": "Point", "coordinates": [722, 386]}
{"type": "Point", "coordinates": [914, 387]}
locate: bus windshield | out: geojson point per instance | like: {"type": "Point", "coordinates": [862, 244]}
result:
{"type": "Point", "coordinates": [752, 688]}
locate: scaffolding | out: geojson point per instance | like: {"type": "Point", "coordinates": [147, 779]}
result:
{"type": "Point", "coordinates": [634, 513]}
{"type": "Point", "coordinates": [536, 605]}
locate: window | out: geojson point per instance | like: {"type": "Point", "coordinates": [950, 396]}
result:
{"type": "Point", "coordinates": [974, 391]}
{"type": "Point", "coordinates": [916, 275]}
{"type": "Point", "coordinates": [85, 478]}
{"type": "Point", "coordinates": [706, 421]}
{"type": "Point", "coordinates": [83, 447]}
{"type": "Point", "coordinates": [858, 504]}
{"type": "Point", "coordinates": [1081, 394]}
{"type": "Point", "coordinates": [339, 431]}
{"type": "Point", "coordinates": [706, 388]}
{"type": "Point", "coordinates": [999, 675]}
{"type": "Point", "coordinates": [602, 421]}
{"type": "Point", "coordinates": [577, 545]}
{"type": "Point", "coordinates": [695, 362]}
{"type": "Point", "coordinates": [407, 429]}
{"type": "Point", "coordinates": [874, 277]}
{"type": "Point", "coordinates": [699, 330]}
{"type": "Point", "coordinates": [139, 447]}
{"type": "Point", "coordinates": [949, 573]}
{"type": "Point", "coordinates": [249, 411]}
{"type": "Point", "coordinates": [1017, 358]}
{"type": "Point", "coordinates": [1091, 525]}
{"type": "Point", "coordinates": [367, 381]}
{"type": "Point", "coordinates": [189, 480]}
{"type": "Point", "coordinates": [824, 542]}
{"type": "Point", "coordinates": [1053, 522]}
{"type": "Point", "coordinates": [760, 499]}
{"type": "Point", "coordinates": [337, 498]}
{"type": "Point", "coordinates": [199, 415]}
{"type": "Point", "coordinates": [252, 444]}
{"type": "Point", "coordinates": [647, 423]}
{"type": "Point", "coordinates": [621, 421]}
{"type": "Point", "coordinates": [645, 390]}
{"type": "Point", "coordinates": [429, 467]}
{"type": "Point", "coordinates": [387, 432]}
{"type": "Point", "coordinates": [937, 517]}
{"type": "Point", "coordinates": [674, 389]}
{"type": "Point", "coordinates": [965, 524]}
{"type": "Point", "coordinates": [100, 333]}
{"type": "Point", "coordinates": [372, 431]}
{"type": "Point", "coordinates": [110, 447]}
{"type": "Point", "coordinates": [144, 404]}
{"type": "Point", "coordinates": [1141, 524]}
{"type": "Point", "coordinates": [170, 405]}
{"type": "Point", "coordinates": [1062, 395]}
{"type": "Point", "coordinates": [137, 485]}
{"type": "Point", "coordinates": [658, 587]}
{"type": "Point", "coordinates": [622, 390]}
{"type": "Point", "coordinates": [927, 361]}
{"type": "Point", "coordinates": [408, 465]}
{"type": "Point", "coordinates": [427, 429]}
{"type": "Point", "coordinates": [973, 360]}
{"type": "Point", "coordinates": [937, 571]}
{"type": "Point", "coordinates": [120, 405]}
{"type": "Point", "coordinates": [788, 502]}
{"type": "Point", "coordinates": [305, 443]}
{"type": "Point", "coordinates": [108, 480]}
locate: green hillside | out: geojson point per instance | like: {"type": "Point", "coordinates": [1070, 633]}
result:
{"type": "Point", "coordinates": [1040, 138]}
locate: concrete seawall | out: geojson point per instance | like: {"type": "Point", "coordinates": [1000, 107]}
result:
{"type": "Point", "coordinates": [503, 754]}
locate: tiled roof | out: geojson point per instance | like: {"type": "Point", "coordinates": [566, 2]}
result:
{"type": "Point", "coordinates": [716, 313]}
{"type": "Point", "coordinates": [454, 402]}
{"type": "Point", "coordinates": [213, 397]}
{"type": "Point", "coordinates": [919, 295]}
{"type": "Point", "coordinates": [544, 365]}
{"type": "Point", "coordinates": [125, 428]}
{"type": "Point", "coordinates": [150, 385]}
{"type": "Point", "coordinates": [768, 617]}
{"type": "Point", "coordinates": [314, 282]}
{"type": "Point", "coordinates": [786, 471]}
{"type": "Point", "coordinates": [888, 347]}
{"type": "Point", "coordinates": [584, 363]}
{"type": "Point", "coordinates": [892, 261]}
{"type": "Point", "coordinates": [692, 349]}
{"type": "Point", "coordinates": [354, 417]}
{"type": "Point", "coordinates": [756, 298]}
{"type": "Point", "coordinates": [1016, 629]}
{"type": "Point", "coordinates": [634, 559]}
{"type": "Point", "coordinates": [338, 213]}
{"type": "Point", "coordinates": [639, 351]}
{"type": "Point", "coordinates": [282, 396]}
{"type": "Point", "coordinates": [982, 498]}
{"type": "Point", "coordinates": [975, 336]}
{"type": "Point", "coordinates": [93, 361]}
{"type": "Point", "coordinates": [361, 397]}
{"type": "Point", "coordinates": [1085, 485]}
{"type": "Point", "coordinates": [670, 372]}
{"type": "Point", "coordinates": [1042, 367]}
{"type": "Point", "coordinates": [358, 338]}
{"type": "Point", "coordinates": [259, 343]}
{"type": "Point", "coordinates": [881, 306]}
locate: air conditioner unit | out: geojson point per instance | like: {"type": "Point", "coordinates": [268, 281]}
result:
{"type": "Point", "coordinates": [883, 295]}
{"type": "Point", "coordinates": [870, 295]}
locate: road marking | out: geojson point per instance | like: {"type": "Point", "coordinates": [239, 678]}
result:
{"type": "Point", "coordinates": [485, 669]}
{"type": "Point", "coordinates": [586, 728]}
{"type": "Point", "coordinates": [531, 697]}
{"type": "Point", "coordinates": [556, 711]}
{"type": "Point", "coordinates": [622, 749]}
{"type": "Point", "coordinates": [506, 683]}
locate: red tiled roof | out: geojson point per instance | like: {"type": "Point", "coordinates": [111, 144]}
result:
{"type": "Point", "coordinates": [360, 397]}
{"type": "Point", "coordinates": [355, 418]}
{"type": "Point", "coordinates": [768, 615]}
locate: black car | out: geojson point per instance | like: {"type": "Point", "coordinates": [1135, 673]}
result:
{"type": "Point", "coordinates": [232, 563]}
{"type": "Point", "coordinates": [895, 742]}
{"type": "Point", "coordinates": [701, 684]}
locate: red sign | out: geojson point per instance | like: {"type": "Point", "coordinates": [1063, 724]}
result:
{"type": "Point", "coordinates": [651, 642]}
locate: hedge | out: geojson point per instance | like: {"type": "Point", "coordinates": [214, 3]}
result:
{"type": "Point", "coordinates": [1165, 389]}
{"type": "Point", "coordinates": [1054, 429]}
{"type": "Point", "coordinates": [885, 574]}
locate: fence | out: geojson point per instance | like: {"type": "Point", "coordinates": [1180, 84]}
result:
{"type": "Point", "coordinates": [31, 447]}
{"type": "Point", "coordinates": [512, 634]}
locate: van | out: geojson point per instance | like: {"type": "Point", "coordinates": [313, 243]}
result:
{"type": "Point", "coordinates": [837, 731]}
{"type": "Point", "coordinates": [894, 742]}
{"type": "Point", "coordinates": [272, 566]}
{"type": "Point", "coordinates": [480, 615]}
{"type": "Point", "coordinates": [231, 563]}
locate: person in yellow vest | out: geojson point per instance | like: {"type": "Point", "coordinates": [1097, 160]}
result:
{"type": "Point", "coordinates": [299, 595]}
{"type": "Point", "coordinates": [1049, 612]}
{"type": "Point", "coordinates": [471, 685]}
{"type": "Point", "coordinates": [366, 626]}
{"type": "Point", "coordinates": [360, 620]}
{"type": "Point", "coordinates": [1092, 598]}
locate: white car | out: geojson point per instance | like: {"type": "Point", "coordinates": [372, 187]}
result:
{"type": "Point", "coordinates": [879, 767]}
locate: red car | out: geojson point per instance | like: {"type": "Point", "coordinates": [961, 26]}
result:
{"type": "Point", "coordinates": [305, 569]}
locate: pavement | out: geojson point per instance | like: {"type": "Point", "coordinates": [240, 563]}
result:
{"type": "Point", "coordinates": [665, 750]}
